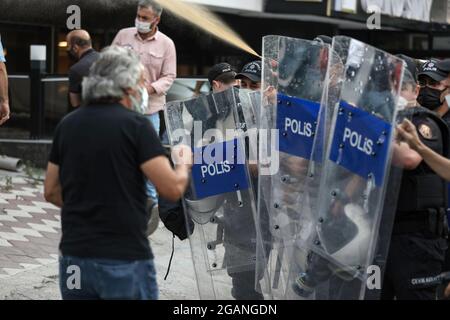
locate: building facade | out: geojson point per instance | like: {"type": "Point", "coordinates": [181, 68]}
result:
{"type": "Point", "coordinates": [418, 28]}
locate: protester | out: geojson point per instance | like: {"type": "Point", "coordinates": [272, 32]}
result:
{"type": "Point", "coordinates": [4, 100]}
{"type": "Point", "coordinates": [101, 155]}
{"type": "Point", "coordinates": [79, 49]}
{"type": "Point", "coordinates": [158, 55]}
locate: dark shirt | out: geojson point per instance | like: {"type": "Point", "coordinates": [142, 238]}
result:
{"type": "Point", "coordinates": [80, 70]}
{"type": "Point", "coordinates": [99, 150]}
{"type": "Point", "coordinates": [446, 118]}
{"type": "Point", "coordinates": [422, 188]}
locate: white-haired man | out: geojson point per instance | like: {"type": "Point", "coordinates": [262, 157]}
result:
{"type": "Point", "coordinates": [101, 156]}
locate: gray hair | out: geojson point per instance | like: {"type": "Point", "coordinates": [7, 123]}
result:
{"type": "Point", "coordinates": [116, 70]}
{"type": "Point", "coordinates": [151, 4]}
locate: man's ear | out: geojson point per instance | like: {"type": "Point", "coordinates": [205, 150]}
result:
{"type": "Point", "coordinates": [417, 90]}
{"type": "Point", "coordinates": [126, 101]}
{"type": "Point", "coordinates": [131, 92]}
{"type": "Point", "coordinates": [75, 48]}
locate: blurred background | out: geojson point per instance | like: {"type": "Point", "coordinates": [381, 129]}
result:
{"type": "Point", "coordinates": [418, 28]}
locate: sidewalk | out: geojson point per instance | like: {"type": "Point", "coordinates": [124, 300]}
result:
{"type": "Point", "coordinates": [29, 237]}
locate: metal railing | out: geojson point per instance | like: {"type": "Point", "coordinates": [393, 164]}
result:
{"type": "Point", "coordinates": [55, 104]}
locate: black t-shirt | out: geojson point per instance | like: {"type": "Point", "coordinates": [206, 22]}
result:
{"type": "Point", "coordinates": [80, 70]}
{"type": "Point", "coordinates": [99, 150]}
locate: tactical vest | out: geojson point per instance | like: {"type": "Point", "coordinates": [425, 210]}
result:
{"type": "Point", "coordinates": [446, 118]}
{"type": "Point", "coordinates": [422, 189]}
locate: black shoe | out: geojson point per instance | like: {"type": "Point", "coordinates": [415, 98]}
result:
{"type": "Point", "coordinates": [300, 286]}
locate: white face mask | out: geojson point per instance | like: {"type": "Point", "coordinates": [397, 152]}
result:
{"type": "Point", "coordinates": [142, 105]}
{"type": "Point", "coordinates": [143, 27]}
{"type": "Point", "coordinates": [402, 103]}
{"type": "Point", "coordinates": [447, 98]}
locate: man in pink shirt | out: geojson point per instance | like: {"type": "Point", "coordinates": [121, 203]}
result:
{"type": "Point", "coordinates": [158, 55]}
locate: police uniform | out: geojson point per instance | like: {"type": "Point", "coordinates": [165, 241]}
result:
{"type": "Point", "coordinates": [240, 237]}
{"type": "Point", "coordinates": [418, 244]}
{"type": "Point", "coordinates": [446, 119]}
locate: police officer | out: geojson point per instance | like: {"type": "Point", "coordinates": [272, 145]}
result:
{"type": "Point", "coordinates": [250, 76]}
{"type": "Point", "coordinates": [239, 230]}
{"type": "Point", "coordinates": [418, 242]}
{"type": "Point", "coordinates": [444, 112]}
{"type": "Point", "coordinates": [244, 286]}
{"type": "Point", "coordinates": [434, 88]}
{"type": "Point", "coordinates": [221, 77]}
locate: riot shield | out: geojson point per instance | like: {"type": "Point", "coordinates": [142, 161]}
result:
{"type": "Point", "coordinates": [294, 74]}
{"type": "Point", "coordinates": [333, 258]}
{"type": "Point", "coordinates": [220, 200]}
{"type": "Point", "coordinates": [304, 222]}
{"type": "Point", "coordinates": [394, 182]}
{"type": "Point", "coordinates": [248, 106]}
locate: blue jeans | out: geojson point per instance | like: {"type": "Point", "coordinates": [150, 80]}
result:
{"type": "Point", "coordinates": [104, 279]}
{"type": "Point", "coordinates": [151, 190]}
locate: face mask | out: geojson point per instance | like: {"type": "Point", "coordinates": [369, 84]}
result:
{"type": "Point", "coordinates": [402, 103]}
{"type": "Point", "coordinates": [143, 27]}
{"type": "Point", "coordinates": [447, 98]}
{"type": "Point", "coordinates": [142, 105]}
{"type": "Point", "coordinates": [430, 98]}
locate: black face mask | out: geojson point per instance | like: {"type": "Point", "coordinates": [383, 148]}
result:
{"type": "Point", "coordinates": [72, 56]}
{"type": "Point", "coordinates": [430, 98]}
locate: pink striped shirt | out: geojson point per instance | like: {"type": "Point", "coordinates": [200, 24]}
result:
{"type": "Point", "coordinates": [158, 55]}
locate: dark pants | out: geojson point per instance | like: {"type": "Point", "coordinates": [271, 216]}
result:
{"type": "Point", "coordinates": [103, 279]}
{"type": "Point", "coordinates": [447, 258]}
{"type": "Point", "coordinates": [412, 257]}
{"type": "Point", "coordinates": [244, 286]}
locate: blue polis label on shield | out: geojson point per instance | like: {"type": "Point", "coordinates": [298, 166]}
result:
{"type": "Point", "coordinates": [361, 143]}
{"type": "Point", "coordinates": [296, 122]}
{"type": "Point", "coordinates": [219, 168]}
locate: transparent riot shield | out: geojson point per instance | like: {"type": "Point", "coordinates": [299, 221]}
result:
{"type": "Point", "coordinates": [294, 74]}
{"type": "Point", "coordinates": [220, 200]}
{"type": "Point", "coordinates": [333, 258]}
{"type": "Point", "coordinates": [248, 106]}
{"type": "Point", "coordinates": [304, 222]}
{"type": "Point", "coordinates": [394, 180]}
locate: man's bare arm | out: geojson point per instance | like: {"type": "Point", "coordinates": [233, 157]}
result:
{"type": "Point", "coordinates": [439, 164]}
{"type": "Point", "coordinates": [52, 186]}
{"type": "Point", "coordinates": [170, 183]}
{"type": "Point", "coordinates": [405, 157]}
{"type": "Point", "coordinates": [4, 101]}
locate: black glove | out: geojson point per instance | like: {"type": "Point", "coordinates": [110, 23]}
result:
{"type": "Point", "coordinates": [173, 217]}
